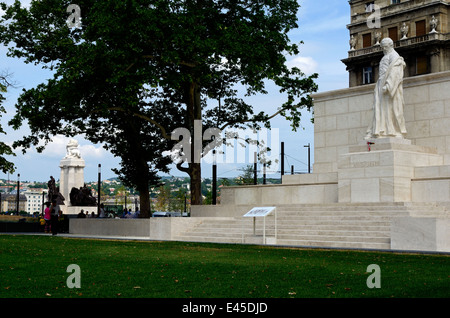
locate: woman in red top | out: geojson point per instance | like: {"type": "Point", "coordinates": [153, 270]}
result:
{"type": "Point", "coordinates": [47, 218]}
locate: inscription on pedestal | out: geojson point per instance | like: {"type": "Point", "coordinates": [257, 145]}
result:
{"type": "Point", "coordinates": [364, 164]}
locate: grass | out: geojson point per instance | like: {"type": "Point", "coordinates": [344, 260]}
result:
{"type": "Point", "coordinates": [35, 266]}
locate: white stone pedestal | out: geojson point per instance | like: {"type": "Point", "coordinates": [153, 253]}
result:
{"type": "Point", "coordinates": [420, 234]}
{"type": "Point", "coordinates": [383, 173]}
{"type": "Point", "coordinates": [72, 175]}
{"type": "Point", "coordinates": [74, 210]}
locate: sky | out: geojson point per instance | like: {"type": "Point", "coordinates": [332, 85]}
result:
{"type": "Point", "coordinates": [322, 28]}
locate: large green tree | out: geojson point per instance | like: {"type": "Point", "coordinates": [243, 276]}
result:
{"type": "Point", "coordinates": [158, 62]}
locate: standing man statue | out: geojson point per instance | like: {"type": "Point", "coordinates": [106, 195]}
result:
{"type": "Point", "coordinates": [53, 192]}
{"type": "Point", "coordinates": [388, 119]}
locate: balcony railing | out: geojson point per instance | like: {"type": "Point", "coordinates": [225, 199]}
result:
{"type": "Point", "coordinates": [401, 43]}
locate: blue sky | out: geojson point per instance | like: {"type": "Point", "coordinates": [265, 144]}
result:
{"type": "Point", "coordinates": [322, 28]}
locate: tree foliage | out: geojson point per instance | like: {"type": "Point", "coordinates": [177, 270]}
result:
{"type": "Point", "coordinates": [137, 69]}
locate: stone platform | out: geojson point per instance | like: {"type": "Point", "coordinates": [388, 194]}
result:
{"type": "Point", "coordinates": [383, 226]}
{"type": "Point", "coordinates": [381, 170]}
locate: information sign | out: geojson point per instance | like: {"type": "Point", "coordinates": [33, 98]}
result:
{"type": "Point", "coordinates": [259, 211]}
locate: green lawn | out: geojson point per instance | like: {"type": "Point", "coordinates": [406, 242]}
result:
{"type": "Point", "coordinates": [36, 266]}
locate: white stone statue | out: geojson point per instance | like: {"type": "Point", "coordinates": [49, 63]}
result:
{"type": "Point", "coordinates": [433, 24]}
{"type": "Point", "coordinates": [352, 43]}
{"type": "Point", "coordinates": [72, 150]}
{"type": "Point", "coordinates": [388, 119]}
{"type": "Point", "coordinates": [404, 29]}
{"type": "Point", "coordinates": [377, 37]}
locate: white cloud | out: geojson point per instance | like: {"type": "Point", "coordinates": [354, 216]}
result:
{"type": "Point", "coordinates": [92, 151]}
{"type": "Point", "coordinates": [305, 63]}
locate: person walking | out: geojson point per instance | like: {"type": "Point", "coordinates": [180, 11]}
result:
{"type": "Point", "coordinates": [47, 218]}
{"type": "Point", "coordinates": [101, 212]}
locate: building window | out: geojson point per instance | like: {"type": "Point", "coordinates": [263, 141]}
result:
{"type": "Point", "coordinates": [367, 75]}
{"type": "Point", "coordinates": [421, 28]}
{"type": "Point", "coordinates": [393, 33]}
{"type": "Point", "coordinates": [421, 65]}
{"type": "Point", "coordinates": [395, 1]}
{"type": "Point", "coordinates": [370, 6]}
{"type": "Point", "coordinates": [367, 40]}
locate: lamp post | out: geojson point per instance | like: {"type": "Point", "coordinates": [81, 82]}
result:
{"type": "Point", "coordinates": [43, 202]}
{"type": "Point", "coordinates": [99, 187]}
{"type": "Point", "coordinates": [255, 167]}
{"type": "Point", "coordinates": [309, 157]}
{"type": "Point", "coordinates": [18, 193]}
{"type": "Point", "coordinates": [214, 182]}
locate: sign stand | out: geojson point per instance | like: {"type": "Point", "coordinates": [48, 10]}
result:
{"type": "Point", "coordinates": [260, 212]}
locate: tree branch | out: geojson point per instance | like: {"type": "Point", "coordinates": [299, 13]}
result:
{"type": "Point", "coordinates": [188, 64]}
{"type": "Point", "coordinates": [252, 119]}
{"type": "Point", "coordinates": [146, 118]}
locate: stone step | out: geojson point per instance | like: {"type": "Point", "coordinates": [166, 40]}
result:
{"type": "Point", "coordinates": [335, 238]}
{"type": "Point", "coordinates": [320, 225]}
{"type": "Point", "coordinates": [334, 244]}
{"type": "Point", "coordinates": [360, 208]}
{"type": "Point", "coordinates": [287, 212]}
{"type": "Point", "coordinates": [290, 233]}
{"type": "Point", "coordinates": [334, 227]}
{"type": "Point", "coordinates": [295, 242]}
{"type": "Point", "coordinates": [285, 232]}
{"type": "Point", "coordinates": [211, 239]}
{"type": "Point", "coordinates": [368, 205]}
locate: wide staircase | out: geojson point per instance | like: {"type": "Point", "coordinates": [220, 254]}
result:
{"type": "Point", "coordinates": [339, 225]}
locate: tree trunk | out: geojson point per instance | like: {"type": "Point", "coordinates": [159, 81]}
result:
{"type": "Point", "coordinates": [144, 198]}
{"type": "Point", "coordinates": [194, 113]}
{"type": "Point", "coordinates": [195, 173]}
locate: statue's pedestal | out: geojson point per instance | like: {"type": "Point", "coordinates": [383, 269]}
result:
{"type": "Point", "coordinates": [383, 173]}
{"type": "Point", "coordinates": [72, 175]}
{"type": "Point", "coordinates": [74, 210]}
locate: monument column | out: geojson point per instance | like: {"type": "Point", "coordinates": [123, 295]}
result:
{"type": "Point", "coordinates": [72, 170]}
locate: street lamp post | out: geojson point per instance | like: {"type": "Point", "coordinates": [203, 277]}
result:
{"type": "Point", "coordinates": [214, 182]}
{"type": "Point", "coordinates": [43, 202]}
{"type": "Point", "coordinates": [99, 186]}
{"type": "Point", "coordinates": [309, 156]}
{"type": "Point", "coordinates": [18, 193]}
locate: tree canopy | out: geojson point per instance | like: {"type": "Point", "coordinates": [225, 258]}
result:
{"type": "Point", "coordinates": [128, 72]}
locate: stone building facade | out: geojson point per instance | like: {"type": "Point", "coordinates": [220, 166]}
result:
{"type": "Point", "coordinates": [8, 202]}
{"type": "Point", "coordinates": [419, 28]}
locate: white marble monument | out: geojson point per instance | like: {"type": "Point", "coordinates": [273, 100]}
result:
{"type": "Point", "coordinates": [72, 170]}
{"type": "Point", "coordinates": [388, 119]}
